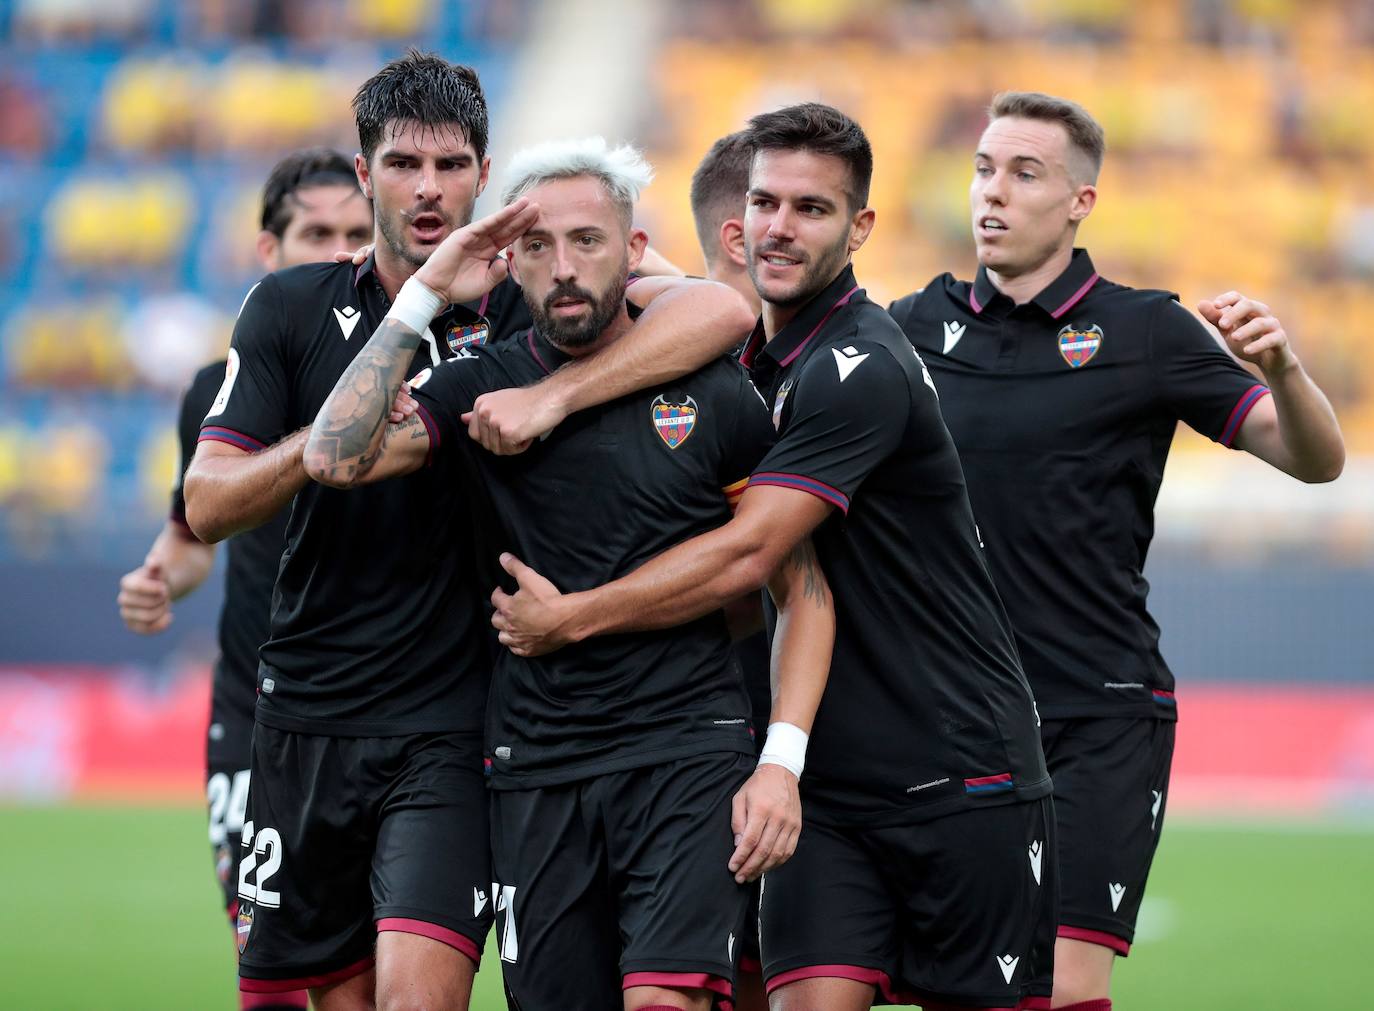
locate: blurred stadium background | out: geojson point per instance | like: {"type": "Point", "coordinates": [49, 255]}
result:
{"type": "Point", "coordinates": [134, 136]}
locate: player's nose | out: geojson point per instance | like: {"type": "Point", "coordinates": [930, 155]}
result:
{"type": "Point", "coordinates": [427, 184]}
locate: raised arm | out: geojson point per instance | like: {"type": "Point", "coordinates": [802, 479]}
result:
{"type": "Point", "coordinates": [350, 442]}
{"type": "Point", "coordinates": [1295, 429]}
{"type": "Point", "coordinates": [687, 323]}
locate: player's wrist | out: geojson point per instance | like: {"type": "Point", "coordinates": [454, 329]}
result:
{"type": "Point", "coordinates": [785, 746]}
{"type": "Point", "coordinates": [1280, 365]}
{"type": "Point", "coordinates": [416, 305]}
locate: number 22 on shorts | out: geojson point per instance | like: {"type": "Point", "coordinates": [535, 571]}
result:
{"type": "Point", "coordinates": [263, 845]}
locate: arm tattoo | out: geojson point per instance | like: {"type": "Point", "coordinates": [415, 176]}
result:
{"type": "Point", "coordinates": [349, 434]}
{"type": "Point", "coordinates": [803, 559]}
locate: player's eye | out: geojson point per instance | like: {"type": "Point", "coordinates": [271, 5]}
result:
{"type": "Point", "coordinates": [586, 240]}
{"type": "Point", "coordinates": [534, 246]}
{"type": "Point", "coordinates": [982, 170]}
{"type": "Point", "coordinates": [1026, 177]}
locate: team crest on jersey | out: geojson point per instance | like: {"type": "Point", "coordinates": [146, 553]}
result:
{"type": "Point", "coordinates": [1078, 345]}
{"type": "Point", "coordinates": [463, 335]}
{"type": "Point", "coordinates": [674, 421]}
{"type": "Point", "coordinates": [244, 926]}
{"type": "Point", "coordinates": [778, 401]}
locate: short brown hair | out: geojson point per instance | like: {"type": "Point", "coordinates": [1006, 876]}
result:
{"type": "Point", "coordinates": [819, 129]}
{"type": "Point", "coordinates": [719, 188]}
{"type": "Point", "coordinates": [1085, 133]}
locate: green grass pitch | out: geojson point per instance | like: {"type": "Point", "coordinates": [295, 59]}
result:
{"type": "Point", "coordinates": [107, 908]}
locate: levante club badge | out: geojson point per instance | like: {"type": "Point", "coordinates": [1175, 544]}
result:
{"type": "Point", "coordinates": [245, 925]}
{"type": "Point", "coordinates": [1078, 345]}
{"type": "Point", "coordinates": [466, 335]}
{"type": "Point", "coordinates": [674, 421]}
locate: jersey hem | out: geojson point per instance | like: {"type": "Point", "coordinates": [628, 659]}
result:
{"type": "Point", "coordinates": [818, 811]}
{"type": "Point", "coordinates": [540, 779]}
{"type": "Point", "coordinates": [1105, 710]}
{"type": "Point", "coordinates": [361, 728]}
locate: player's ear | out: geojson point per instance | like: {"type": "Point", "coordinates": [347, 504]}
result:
{"type": "Point", "coordinates": [860, 228]}
{"type": "Point", "coordinates": [1084, 200]}
{"type": "Point", "coordinates": [269, 250]}
{"type": "Point", "coordinates": [364, 174]}
{"type": "Point", "coordinates": [732, 240]}
{"type": "Point", "coordinates": [485, 175]}
{"type": "Point", "coordinates": [637, 242]}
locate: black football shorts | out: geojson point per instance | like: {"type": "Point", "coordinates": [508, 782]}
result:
{"type": "Point", "coordinates": [1111, 781]}
{"type": "Point", "coordinates": [957, 910]}
{"type": "Point", "coordinates": [616, 881]}
{"type": "Point", "coordinates": [348, 836]}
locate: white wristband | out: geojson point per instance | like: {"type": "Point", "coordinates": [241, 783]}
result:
{"type": "Point", "coordinates": [416, 305]}
{"type": "Point", "coordinates": [785, 746]}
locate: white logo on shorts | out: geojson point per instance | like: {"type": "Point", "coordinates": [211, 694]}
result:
{"type": "Point", "coordinates": [1037, 851]}
{"type": "Point", "coordinates": [1007, 965]}
{"type": "Point", "coordinates": [1117, 892]}
{"type": "Point", "coordinates": [479, 901]}
{"type": "Point", "coordinates": [1155, 806]}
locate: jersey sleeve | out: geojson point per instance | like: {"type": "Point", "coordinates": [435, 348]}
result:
{"type": "Point", "coordinates": [849, 410]}
{"type": "Point", "coordinates": [195, 404]}
{"type": "Point", "coordinates": [746, 439]}
{"type": "Point", "coordinates": [1198, 382]}
{"type": "Point", "coordinates": [250, 410]}
{"type": "Point", "coordinates": [445, 393]}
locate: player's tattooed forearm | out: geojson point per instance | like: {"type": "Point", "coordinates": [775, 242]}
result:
{"type": "Point", "coordinates": [350, 433]}
{"type": "Point", "coordinates": [803, 559]}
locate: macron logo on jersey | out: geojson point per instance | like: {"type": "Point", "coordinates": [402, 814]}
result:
{"type": "Point", "coordinates": [954, 332]}
{"type": "Point", "coordinates": [1008, 966]}
{"type": "Point", "coordinates": [847, 360]}
{"type": "Point", "coordinates": [348, 318]}
{"type": "Point", "coordinates": [1117, 892]}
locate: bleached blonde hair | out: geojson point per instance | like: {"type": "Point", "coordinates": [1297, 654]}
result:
{"type": "Point", "coordinates": [622, 170]}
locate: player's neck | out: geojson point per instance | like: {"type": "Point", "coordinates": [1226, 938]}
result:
{"type": "Point", "coordinates": [1021, 288]}
{"type": "Point", "coordinates": [392, 270]}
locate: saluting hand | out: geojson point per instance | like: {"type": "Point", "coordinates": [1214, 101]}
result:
{"type": "Point", "coordinates": [468, 263]}
{"type": "Point", "coordinates": [528, 620]}
{"type": "Point", "coordinates": [766, 819]}
{"type": "Point", "coordinates": [1250, 331]}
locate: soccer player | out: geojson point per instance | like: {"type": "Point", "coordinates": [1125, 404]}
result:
{"type": "Point", "coordinates": [366, 866]}
{"type": "Point", "coordinates": [310, 205]}
{"type": "Point", "coordinates": [926, 869]}
{"type": "Point", "coordinates": [1062, 391]}
{"type": "Point", "coordinates": [614, 763]}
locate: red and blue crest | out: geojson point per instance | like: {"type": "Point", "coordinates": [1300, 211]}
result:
{"type": "Point", "coordinates": [462, 335]}
{"type": "Point", "coordinates": [1078, 345]}
{"type": "Point", "coordinates": [244, 926]}
{"type": "Point", "coordinates": [674, 421]}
